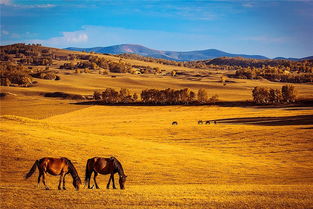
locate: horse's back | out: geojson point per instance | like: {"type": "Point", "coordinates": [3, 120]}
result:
{"type": "Point", "coordinates": [102, 165]}
{"type": "Point", "coordinates": [53, 165]}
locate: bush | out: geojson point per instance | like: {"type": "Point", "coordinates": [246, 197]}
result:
{"type": "Point", "coordinates": [97, 95]}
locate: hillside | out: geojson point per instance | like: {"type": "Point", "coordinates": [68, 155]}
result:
{"type": "Point", "coordinates": [170, 55]}
{"type": "Point", "coordinates": [252, 157]}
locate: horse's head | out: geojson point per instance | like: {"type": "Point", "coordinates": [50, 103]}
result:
{"type": "Point", "coordinates": [122, 181]}
{"type": "Point", "coordinates": [76, 183]}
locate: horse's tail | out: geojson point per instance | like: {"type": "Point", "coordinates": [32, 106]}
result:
{"type": "Point", "coordinates": [88, 171]}
{"type": "Point", "coordinates": [32, 170]}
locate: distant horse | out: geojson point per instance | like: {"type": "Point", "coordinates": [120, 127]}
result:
{"type": "Point", "coordinates": [207, 122]}
{"type": "Point", "coordinates": [55, 166]}
{"type": "Point", "coordinates": [215, 122]}
{"type": "Point", "coordinates": [200, 122]}
{"type": "Point", "coordinates": [104, 166]}
{"type": "Point", "coordinates": [174, 123]}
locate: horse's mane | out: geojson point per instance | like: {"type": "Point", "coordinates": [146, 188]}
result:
{"type": "Point", "coordinates": [118, 166]}
{"type": "Point", "coordinates": [72, 169]}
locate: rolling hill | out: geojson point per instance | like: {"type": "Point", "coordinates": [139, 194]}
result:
{"type": "Point", "coordinates": [170, 55]}
{"type": "Point", "coordinates": [252, 157]}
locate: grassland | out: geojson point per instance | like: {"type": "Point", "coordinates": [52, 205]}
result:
{"type": "Point", "coordinates": [261, 158]}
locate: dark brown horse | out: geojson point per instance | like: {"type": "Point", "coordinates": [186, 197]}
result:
{"type": "Point", "coordinates": [55, 166]}
{"type": "Point", "coordinates": [104, 166]}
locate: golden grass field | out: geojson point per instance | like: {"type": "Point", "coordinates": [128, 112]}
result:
{"type": "Point", "coordinates": [265, 161]}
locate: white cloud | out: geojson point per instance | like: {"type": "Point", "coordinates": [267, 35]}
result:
{"type": "Point", "coordinates": [68, 38]}
{"type": "Point", "coordinates": [25, 6]}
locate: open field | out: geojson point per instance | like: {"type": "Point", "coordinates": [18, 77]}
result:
{"type": "Point", "coordinates": [218, 166]}
{"type": "Point", "coordinates": [254, 157]}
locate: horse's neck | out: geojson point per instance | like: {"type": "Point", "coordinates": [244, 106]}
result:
{"type": "Point", "coordinates": [73, 172]}
{"type": "Point", "coordinates": [118, 167]}
{"type": "Point", "coordinates": [120, 170]}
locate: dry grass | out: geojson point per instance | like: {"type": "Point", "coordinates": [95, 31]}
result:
{"type": "Point", "coordinates": [267, 163]}
{"type": "Point", "coordinates": [165, 196]}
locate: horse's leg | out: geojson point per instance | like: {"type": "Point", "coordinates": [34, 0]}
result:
{"type": "Point", "coordinates": [44, 180]}
{"type": "Point", "coordinates": [60, 181]}
{"type": "Point", "coordinates": [108, 185]}
{"type": "Point", "coordinates": [113, 181]}
{"type": "Point", "coordinates": [89, 187]}
{"type": "Point", "coordinates": [39, 176]}
{"type": "Point", "coordinates": [64, 182]}
{"type": "Point", "coordinates": [94, 178]}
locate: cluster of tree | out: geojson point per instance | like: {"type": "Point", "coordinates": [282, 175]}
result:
{"type": "Point", "coordinates": [32, 54]}
{"type": "Point", "coordinates": [21, 49]}
{"type": "Point", "coordinates": [111, 96]}
{"type": "Point", "coordinates": [273, 74]}
{"type": "Point", "coordinates": [47, 75]}
{"type": "Point", "coordinates": [156, 97]}
{"type": "Point", "coordinates": [14, 75]}
{"type": "Point", "coordinates": [150, 59]}
{"type": "Point", "coordinates": [201, 64]}
{"type": "Point", "coordinates": [98, 63]}
{"type": "Point", "coordinates": [147, 69]}
{"type": "Point", "coordinates": [265, 95]}
{"type": "Point", "coordinates": [305, 66]}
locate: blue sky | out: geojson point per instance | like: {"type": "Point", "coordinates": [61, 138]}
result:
{"type": "Point", "coordinates": [265, 27]}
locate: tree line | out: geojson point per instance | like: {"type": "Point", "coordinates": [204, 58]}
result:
{"type": "Point", "coordinates": [155, 97]}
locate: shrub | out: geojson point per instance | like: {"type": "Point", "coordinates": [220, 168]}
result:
{"type": "Point", "coordinates": [97, 95]}
{"type": "Point", "coordinates": [213, 99]}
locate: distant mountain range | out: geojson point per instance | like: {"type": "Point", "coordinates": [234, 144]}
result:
{"type": "Point", "coordinates": [170, 55]}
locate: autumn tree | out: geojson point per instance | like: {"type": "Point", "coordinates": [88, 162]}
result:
{"type": "Point", "coordinates": [288, 93]}
{"type": "Point", "coordinates": [202, 96]}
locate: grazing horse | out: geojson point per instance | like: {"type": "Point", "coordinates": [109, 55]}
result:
{"type": "Point", "coordinates": [55, 166]}
{"type": "Point", "coordinates": [207, 122]}
{"type": "Point", "coordinates": [200, 122]}
{"type": "Point", "coordinates": [174, 123]}
{"type": "Point", "coordinates": [104, 166]}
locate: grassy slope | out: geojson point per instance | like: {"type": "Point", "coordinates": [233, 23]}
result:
{"type": "Point", "coordinates": [218, 166]}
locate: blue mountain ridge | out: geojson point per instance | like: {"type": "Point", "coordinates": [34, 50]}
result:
{"type": "Point", "coordinates": [170, 55]}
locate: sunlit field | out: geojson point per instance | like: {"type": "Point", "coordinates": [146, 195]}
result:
{"type": "Point", "coordinates": [253, 157]}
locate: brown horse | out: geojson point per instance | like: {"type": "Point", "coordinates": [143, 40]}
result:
{"type": "Point", "coordinates": [104, 166]}
{"type": "Point", "coordinates": [55, 166]}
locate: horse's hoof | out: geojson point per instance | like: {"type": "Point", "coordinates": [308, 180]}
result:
{"type": "Point", "coordinates": [47, 188]}
{"type": "Point", "coordinates": [108, 188]}
{"type": "Point", "coordinates": [64, 188]}
{"type": "Point", "coordinates": [59, 188]}
{"type": "Point", "coordinates": [114, 187]}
